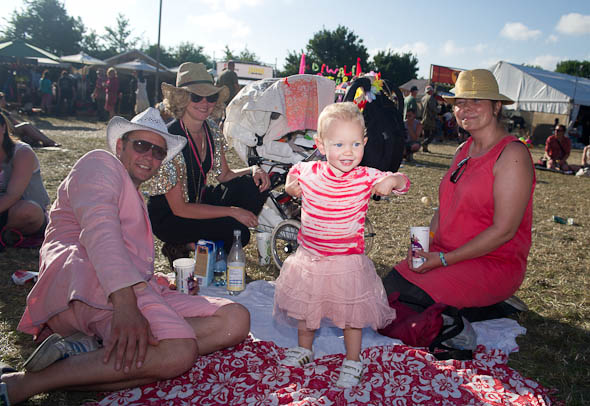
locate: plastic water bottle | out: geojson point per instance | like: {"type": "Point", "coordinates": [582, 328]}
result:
{"type": "Point", "coordinates": [236, 266]}
{"type": "Point", "coordinates": [220, 265]}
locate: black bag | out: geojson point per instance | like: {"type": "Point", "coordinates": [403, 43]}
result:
{"type": "Point", "coordinates": [385, 129]}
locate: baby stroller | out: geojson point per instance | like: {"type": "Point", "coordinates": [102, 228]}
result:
{"type": "Point", "coordinates": [271, 123]}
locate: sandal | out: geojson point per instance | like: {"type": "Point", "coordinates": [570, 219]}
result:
{"type": "Point", "coordinates": [175, 251]}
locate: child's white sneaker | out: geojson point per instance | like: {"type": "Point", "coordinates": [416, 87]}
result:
{"type": "Point", "coordinates": [297, 357]}
{"type": "Point", "coordinates": [351, 373]}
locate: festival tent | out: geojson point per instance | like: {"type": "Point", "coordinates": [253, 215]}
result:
{"type": "Point", "coordinates": [82, 59]}
{"type": "Point", "coordinates": [136, 55]}
{"type": "Point", "coordinates": [542, 96]}
{"type": "Point", "coordinates": [23, 51]}
{"type": "Point", "coordinates": [542, 91]}
{"type": "Point", "coordinates": [419, 83]}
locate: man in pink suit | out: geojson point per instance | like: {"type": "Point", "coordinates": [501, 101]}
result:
{"type": "Point", "coordinates": [97, 286]}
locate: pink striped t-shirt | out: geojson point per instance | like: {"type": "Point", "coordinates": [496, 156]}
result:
{"type": "Point", "coordinates": [333, 208]}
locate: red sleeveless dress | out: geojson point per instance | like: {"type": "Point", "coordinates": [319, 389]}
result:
{"type": "Point", "coordinates": [466, 209]}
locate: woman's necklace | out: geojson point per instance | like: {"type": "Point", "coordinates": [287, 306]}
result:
{"type": "Point", "coordinates": [197, 157]}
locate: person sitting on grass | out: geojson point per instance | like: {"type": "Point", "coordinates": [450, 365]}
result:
{"type": "Point", "coordinates": [557, 149]}
{"type": "Point", "coordinates": [96, 280]}
{"type": "Point", "coordinates": [481, 233]}
{"type": "Point", "coordinates": [24, 130]}
{"type": "Point", "coordinates": [23, 198]}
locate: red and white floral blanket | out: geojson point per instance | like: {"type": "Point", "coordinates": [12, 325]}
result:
{"type": "Point", "coordinates": [249, 374]}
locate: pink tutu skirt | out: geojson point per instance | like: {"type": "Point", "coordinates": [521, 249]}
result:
{"type": "Point", "coordinates": [340, 290]}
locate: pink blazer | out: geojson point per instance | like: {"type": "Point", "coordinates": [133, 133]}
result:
{"type": "Point", "coordinates": [98, 240]}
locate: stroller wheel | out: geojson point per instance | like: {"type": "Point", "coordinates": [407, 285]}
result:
{"type": "Point", "coordinates": [283, 241]}
{"type": "Point", "coordinates": [369, 234]}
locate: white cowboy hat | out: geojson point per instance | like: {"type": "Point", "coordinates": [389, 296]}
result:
{"type": "Point", "coordinates": [148, 120]}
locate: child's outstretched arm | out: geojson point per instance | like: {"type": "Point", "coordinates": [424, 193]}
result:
{"type": "Point", "coordinates": [292, 185]}
{"type": "Point", "coordinates": [396, 182]}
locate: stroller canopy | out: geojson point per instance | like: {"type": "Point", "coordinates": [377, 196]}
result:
{"type": "Point", "coordinates": [266, 110]}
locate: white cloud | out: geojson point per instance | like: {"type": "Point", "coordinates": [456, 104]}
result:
{"type": "Point", "coordinates": [547, 62]}
{"type": "Point", "coordinates": [450, 48]}
{"type": "Point", "coordinates": [519, 32]}
{"type": "Point", "coordinates": [417, 48]}
{"type": "Point", "coordinates": [230, 5]}
{"type": "Point", "coordinates": [479, 48]}
{"type": "Point", "coordinates": [574, 24]}
{"type": "Point", "coordinates": [552, 39]}
{"type": "Point", "coordinates": [220, 22]}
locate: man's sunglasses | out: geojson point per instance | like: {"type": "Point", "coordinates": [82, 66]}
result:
{"type": "Point", "coordinates": [141, 147]}
{"type": "Point", "coordinates": [195, 98]}
{"type": "Point", "coordinates": [457, 173]}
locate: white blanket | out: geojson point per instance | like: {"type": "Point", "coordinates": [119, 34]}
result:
{"type": "Point", "coordinates": [258, 299]}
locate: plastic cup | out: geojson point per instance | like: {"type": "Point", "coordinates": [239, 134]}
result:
{"type": "Point", "coordinates": [419, 240]}
{"type": "Point", "coordinates": [184, 269]}
{"type": "Point", "coordinates": [263, 240]}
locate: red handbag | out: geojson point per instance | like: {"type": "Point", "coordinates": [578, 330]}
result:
{"type": "Point", "coordinates": [413, 328]}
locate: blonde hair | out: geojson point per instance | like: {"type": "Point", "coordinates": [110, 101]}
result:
{"type": "Point", "coordinates": [176, 102]}
{"type": "Point", "coordinates": [111, 69]}
{"type": "Point", "coordinates": [347, 111]}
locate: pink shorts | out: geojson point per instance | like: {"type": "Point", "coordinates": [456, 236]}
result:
{"type": "Point", "coordinates": [164, 309]}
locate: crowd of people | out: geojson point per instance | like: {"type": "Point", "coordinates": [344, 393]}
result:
{"type": "Point", "coordinates": [105, 321]}
{"type": "Point", "coordinates": [89, 91]}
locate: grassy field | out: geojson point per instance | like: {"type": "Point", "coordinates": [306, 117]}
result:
{"type": "Point", "coordinates": [554, 352]}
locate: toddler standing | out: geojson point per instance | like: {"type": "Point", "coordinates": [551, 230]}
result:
{"type": "Point", "coordinates": [329, 277]}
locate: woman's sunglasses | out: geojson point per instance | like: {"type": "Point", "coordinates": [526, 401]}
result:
{"type": "Point", "coordinates": [457, 173]}
{"type": "Point", "coordinates": [141, 147]}
{"type": "Point", "coordinates": [195, 98]}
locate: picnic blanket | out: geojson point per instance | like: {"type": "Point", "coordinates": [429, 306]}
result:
{"type": "Point", "coordinates": [249, 373]}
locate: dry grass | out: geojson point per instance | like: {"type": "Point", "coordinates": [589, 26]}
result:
{"type": "Point", "coordinates": [554, 351]}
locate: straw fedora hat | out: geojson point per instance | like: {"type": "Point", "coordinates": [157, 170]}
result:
{"type": "Point", "coordinates": [193, 77]}
{"type": "Point", "coordinates": [148, 120]}
{"type": "Point", "coordinates": [477, 84]}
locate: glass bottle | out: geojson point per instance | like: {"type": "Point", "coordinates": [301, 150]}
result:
{"type": "Point", "coordinates": [220, 264]}
{"type": "Point", "coordinates": [236, 266]}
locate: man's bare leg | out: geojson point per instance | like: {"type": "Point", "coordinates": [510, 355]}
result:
{"type": "Point", "coordinates": [228, 326]}
{"type": "Point", "coordinates": [88, 372]}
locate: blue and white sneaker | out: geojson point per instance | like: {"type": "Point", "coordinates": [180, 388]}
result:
{"type": "Point", "coordinates": [56, 348]}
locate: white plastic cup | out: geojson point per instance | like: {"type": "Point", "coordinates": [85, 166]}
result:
{"type": "Point", "coordinates": [184, 269]}
{"type": "Point", "coordinates": [263, 240]}
{"type": "Point", "coordinates": [419, 240]}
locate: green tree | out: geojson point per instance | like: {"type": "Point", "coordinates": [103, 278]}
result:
{"type": "Point", "coordinates": [530, 65]}
{"type": "Point", "coordinates": [46, 24]}
{"type": "Point", "coordinates": [575, 68]}
{"type": "Point", "coordinates": [167, 56]}
{"type": "Point", "coordinates": [119, 38]}
{"type": "Point", "coordinates": [245, 55]}
{"type": "Point", "coordinates": [397, 68]}
{"type": "Point", "coordinates": [292, 62]}
{"type": "Point", "coordinates": [333, 48]}
{"type": "Point", "coordinates": [188, 52]}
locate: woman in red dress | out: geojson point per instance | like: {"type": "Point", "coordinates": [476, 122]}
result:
{"type": "Point", "coordinates": [112, 91]}
{"type": "Point", "coordinates": [481, 234]}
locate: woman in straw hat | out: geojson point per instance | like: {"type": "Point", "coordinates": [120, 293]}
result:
{"type": "Point", "coordinates": [481, 233]}
{"type": "Point", "coordinates": [183, 209]}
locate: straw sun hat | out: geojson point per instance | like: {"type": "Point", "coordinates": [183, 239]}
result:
{"type": "Point", "coordinates": [477, 84]}
{"type": "Point", "coordinates": [148, 120]}
{"type": "Point", "coordinates": [194, 78]}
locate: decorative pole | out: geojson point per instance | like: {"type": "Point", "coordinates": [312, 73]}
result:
{"type": "Point", "coordinates": [156, 84]}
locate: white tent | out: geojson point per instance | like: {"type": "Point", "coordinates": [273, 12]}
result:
{"type": "Point", "coordinates": [542, 91]}
{"type": "Point", "coordinates": [82, 58]}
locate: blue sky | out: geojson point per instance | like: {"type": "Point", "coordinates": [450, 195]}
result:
{"type": "Point", "coordinates": [463, 33]}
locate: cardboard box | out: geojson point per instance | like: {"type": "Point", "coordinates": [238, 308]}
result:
{"type": "Point", "coordinates": [204, 262]}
